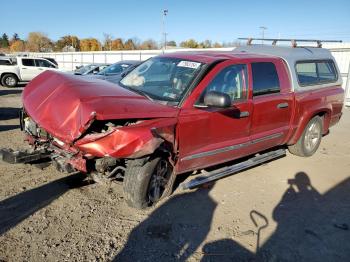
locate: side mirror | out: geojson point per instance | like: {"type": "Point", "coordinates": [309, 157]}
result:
{"type": "Point", "coordinates": [217, 99]}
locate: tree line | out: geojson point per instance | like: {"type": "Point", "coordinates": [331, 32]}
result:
{"type": "Point", "coordinates": [40, 42]}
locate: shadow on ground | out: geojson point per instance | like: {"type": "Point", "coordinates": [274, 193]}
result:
{"type": "Point", "coordinates": [8, 127]}
{"type": "Point", "coordinates": [311, 227]}
{"type": "Point", "coordinates": [5, 92]}
{"type": "Point", "coordinates": [7, 113]}
{"type": "Point", "coordinates": [15, 209]}
{"type": "Point", "coordinates": [173, 231]}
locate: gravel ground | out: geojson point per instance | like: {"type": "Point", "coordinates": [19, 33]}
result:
{"type": "Point", "coordinates": [291, 209]}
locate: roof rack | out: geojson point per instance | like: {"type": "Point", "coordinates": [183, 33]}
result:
{"type": "Point", "coordinates": [293, 41]}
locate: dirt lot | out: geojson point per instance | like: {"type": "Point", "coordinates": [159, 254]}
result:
{"type": "Point", "coordinates": [291, 209]}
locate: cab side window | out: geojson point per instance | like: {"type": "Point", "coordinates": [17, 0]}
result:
{"type": "Point", "coordinates": [265, 78]}
{"type": "Point", "coordinates": [42, 63]}
{"type": "Point", "coordinates": [232, 80]}
{"type": "Point", "coordinates": [28, 62]}
{"type": "Point", "coordinates": [316, 72]}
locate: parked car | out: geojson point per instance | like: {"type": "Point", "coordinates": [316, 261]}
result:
{"type": "Point", "coordinates": [24, 69]}
{"type": "Point", "coordinates": [182, 112]}
{"type": "Point", "coordinates": [90, 69]}
{"type": "Point", "coordinates": [114, 73]}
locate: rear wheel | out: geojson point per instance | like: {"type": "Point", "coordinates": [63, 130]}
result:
{"type": "Point", "coordinates": [147, 180]}
{"type": "Point", "coordinates": [310, 139]}
{"type": "Point", "coordinates": [9, 80]}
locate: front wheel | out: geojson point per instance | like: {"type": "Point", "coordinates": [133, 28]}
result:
{"type": "Point", "coordinates": [147, 180]}
{"type": "Point", "coordinates": [310, 139]}
{"type": "Point", "coordinates": [9, 80]}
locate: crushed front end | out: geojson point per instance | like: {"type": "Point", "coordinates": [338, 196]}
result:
{"type": "Point", "coordinates": [103, 148]}
{"type": "Point", "coordinates": [43, 146]}
{"type": "Point", "coordinates": [90, 126]}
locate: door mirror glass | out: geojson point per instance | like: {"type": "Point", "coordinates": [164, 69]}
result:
{"type": "Point", "coordinates": [217, 99]}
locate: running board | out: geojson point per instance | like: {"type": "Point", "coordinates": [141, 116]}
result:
{"type": "Point", "coordinates": [230, 170]}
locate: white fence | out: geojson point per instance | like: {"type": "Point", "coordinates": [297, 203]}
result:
{"type": "Point", "coordinates": [342, 56]}
{"type": "Point", "coordinates": [70, 60]}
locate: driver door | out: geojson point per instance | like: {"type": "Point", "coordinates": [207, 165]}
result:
{"type": "Point", "coordinates": [208, 135]}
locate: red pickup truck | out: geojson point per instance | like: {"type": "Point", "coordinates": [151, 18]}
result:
{"type": "Point", "coordinates": [182, 112]}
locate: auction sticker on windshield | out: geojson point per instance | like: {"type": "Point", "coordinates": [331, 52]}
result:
{"type": "Point", "coordinates": [189, 64]}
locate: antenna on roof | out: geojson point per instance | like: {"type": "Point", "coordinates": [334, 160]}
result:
{"type": "Point", "coordinates": [293, 41]}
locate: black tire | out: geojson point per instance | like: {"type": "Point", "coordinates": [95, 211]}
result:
{"type": "Point", "coordinates": [310, 139]}
{"type": "Point", "coordinates": [140, 177]}
{"type": "Point", "coordinates": [9, 80]}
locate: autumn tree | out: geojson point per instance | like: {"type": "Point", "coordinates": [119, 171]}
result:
{"type": "Point", "coordinates": [14, 38]}
{"type": "Point", "coordinates": [191, 43]}
{"type": "Point", "coordinates": [148, 45]}
{"type": "Point", "coordinates": [217, 45]}
{"type": "Point", "coordinates": [38, 42]}
{"type": "Point", "coordinates": [17, 46]}
{"type": "Point", "coordinates": [117, 44]}
{"type": "Point", "coordinates": [129, 45]}
{"type": "Point", "coordinates": [68, 40]}
{"type": "Point", "coordinates": [90, 44]}
{"type": "Point", "coordinates": [205, 44]}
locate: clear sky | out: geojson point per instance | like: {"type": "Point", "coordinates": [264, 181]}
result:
{"type": "Point", "coordinates": [215, 20]}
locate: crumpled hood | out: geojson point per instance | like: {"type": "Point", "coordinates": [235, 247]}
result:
{"type": "Point", "coordinates": [65, 105]}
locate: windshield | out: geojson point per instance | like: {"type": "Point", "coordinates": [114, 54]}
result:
{"type": "Point", "coordinates": [114, 69]}
{"type": "Point", "coordinates": [162, 78]}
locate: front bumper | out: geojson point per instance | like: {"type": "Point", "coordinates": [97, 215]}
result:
{"type": "Point", "coordinates": [44, 146]}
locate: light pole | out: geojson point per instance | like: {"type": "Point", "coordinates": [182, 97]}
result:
{"type": "Point", "coordinates": [263, 28]}
{"type": "Point", "coordinates": [164, 14]}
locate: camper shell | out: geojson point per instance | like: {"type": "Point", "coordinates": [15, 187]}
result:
{"type": "Point", "coordinates": [292, 56]}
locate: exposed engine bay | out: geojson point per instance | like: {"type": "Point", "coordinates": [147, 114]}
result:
{"type": "Point", "coordinates": [78, 156]}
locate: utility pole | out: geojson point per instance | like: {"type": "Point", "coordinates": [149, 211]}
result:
{"type": "Point", "coordinates": [164, 14]}
{"type": "Point", "coordinates": [263, 28]}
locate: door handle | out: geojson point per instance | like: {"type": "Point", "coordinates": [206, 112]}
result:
{"type": "Point", "coordinates": [40, 69]}
{"type": "Point", "coordinates": [282, 105]}
{"type": "Point", "coordinates": [24, 68]}
{"type": "Point", "coordinates": [243, 114]}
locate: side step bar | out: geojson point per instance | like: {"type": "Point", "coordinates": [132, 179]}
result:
{"type": "Point", "coordinates": [230, 170]}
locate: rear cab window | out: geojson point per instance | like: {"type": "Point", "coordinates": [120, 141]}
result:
{"type": "Point", "coordinates": [316, 72]}
{"type": "Point", "coordinates": [265, 78]}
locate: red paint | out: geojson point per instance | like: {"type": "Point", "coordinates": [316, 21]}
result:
{"type": "Point", "coordinates": [66, 105]}
{"type": "Point", "coordinates": [78, 162]}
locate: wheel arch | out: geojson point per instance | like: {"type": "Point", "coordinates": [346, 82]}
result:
{"type": "Point", "coordinates": [9, 73]}
{"type": "Point", "coordinates": [325, 113]}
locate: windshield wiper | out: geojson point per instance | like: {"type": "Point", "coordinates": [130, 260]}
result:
{"type": "Point", "coordinates": [140, 92]}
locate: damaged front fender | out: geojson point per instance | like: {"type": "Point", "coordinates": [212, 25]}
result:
{"type": "Point", "coordinates": [133, 141]}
